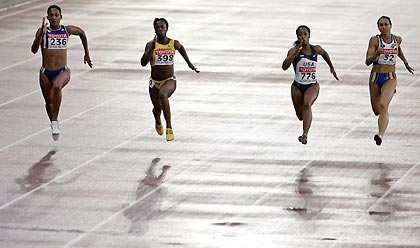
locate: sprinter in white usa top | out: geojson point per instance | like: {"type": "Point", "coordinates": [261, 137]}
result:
{"type": "Point", "coordinates": [305, 87]}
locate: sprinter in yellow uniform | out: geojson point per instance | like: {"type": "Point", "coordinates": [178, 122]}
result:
{"type": "Point", "coordinates": [160, 52]}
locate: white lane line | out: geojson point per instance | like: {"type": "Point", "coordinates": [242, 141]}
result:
{"type": "Point", "coordinates": [386, 194]}
{"type": "Point", "coordinates": [121, 211]}
{"type": "Point", "coordinates": [65, 120]}
{"type": "Point", "coordinates": [76, 75]}
{"type": "Point", "coordinates": [272, 190]}
{"type": "Point", "coordinates": [73, 18]}
{"type": "Point", "coordinates": [39, 90]}
{"type": "Point", "coordinates": [18, 63]}
{"type": "Point", "coordinates": [74, 44]}
{"type": "Point", "coordinates": [18, 98]}
{"type": "Point", "coordinates": [26, 9]}
{"type": "Point", "coordinates": [395, 185]}
{"type": "Point", "coordinates": [70, 171]}
{"type": "Point", "coordinates": [111, 217]}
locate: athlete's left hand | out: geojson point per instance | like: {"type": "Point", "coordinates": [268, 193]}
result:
{"type": "Point", "coordinates": [88, 61]}
{"type": "Point", "coordinates": [193, 68]}
{"type": "Point", "coordinates": [409, 69]}
{"type": "Point", "coordinates": [334, 74]}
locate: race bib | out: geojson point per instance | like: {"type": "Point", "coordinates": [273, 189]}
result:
{"type": "Point", "coordinates": [388, 56]}
{"type": "Point", "coordinates": [306, 73]}
{"type": "Point", "coordinates": [164, 56]}
{"type": "Point", "coordinates": [57, 41]}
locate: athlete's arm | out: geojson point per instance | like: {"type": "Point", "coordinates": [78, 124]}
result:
{"type": "Point", "coordinates": [148, 52]}
{"type": "Point", "coordinates": [324, 54]}
{"type": "Point", "coordinates": [402, 57]}
{"type": "Point", "coordinates": [183, 53]}
{"type": "Point", "coordinates": [73, 30]}
{"type": "Point", "coordinates": [291, 54]}
{"type": "Point", "coordinates": [38, 36]}
{"type": "Point", "coordinates": [372, 53]}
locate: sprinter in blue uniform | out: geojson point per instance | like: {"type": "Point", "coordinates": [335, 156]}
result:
{"type": "Point", "coordinates": [382, 52]}
{"type": "Point", "coordinates": [54, 73]}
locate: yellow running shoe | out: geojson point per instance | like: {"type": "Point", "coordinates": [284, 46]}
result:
{"type": "Point", "coordinates": [159, 129]}
{"type": "Point", "coordinates": [169, 134]}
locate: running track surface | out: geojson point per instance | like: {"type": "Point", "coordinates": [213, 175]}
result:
{"type": "Point", "coordinates": [236, 176]}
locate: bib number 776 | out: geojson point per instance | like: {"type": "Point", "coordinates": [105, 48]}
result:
{"type": "Point", "coordinates": [308, 75]}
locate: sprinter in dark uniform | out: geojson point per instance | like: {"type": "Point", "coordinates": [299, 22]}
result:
{"type": "Point", "coordinates": [305, 87]}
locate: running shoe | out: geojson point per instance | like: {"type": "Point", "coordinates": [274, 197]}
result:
{"type": "Point", "coordinates": [159, 129]}
{"type": "Point", "coordinates": [378, 139]}
{"type": "Point", "coordinates": [55, 130]}
{"type": "Point", "coordinates": [303, 139]}
{"type": "Point", "coordinates": [169, 134]}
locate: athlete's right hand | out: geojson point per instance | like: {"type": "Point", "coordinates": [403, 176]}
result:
{"type": "Point", "coordinates": [298, 47]}
{"type": "Point", "coordinates": [44, 24]}
{"type": "Point", "coordinates": [379, 51]}
{"type": "Point", "coordinates": [151, 45]}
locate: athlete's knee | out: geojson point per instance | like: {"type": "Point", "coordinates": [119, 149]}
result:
{"type": "Point", "coordinates": [48, 106]}
{"type": "Point", "coordinates": [299, 114]}
{"type": "Point", "coordinates": [56, 87]}
{"type": "Point", "coordinates": [163, 95]}
{"type": "Point", "coordinates": [307, 104]}
{"type": "Point", "coordinates": [375, 109]}
{"type": "Point", "coordinates": [382, 107]}
{"type": "Point", "coordinates": [156, 109]}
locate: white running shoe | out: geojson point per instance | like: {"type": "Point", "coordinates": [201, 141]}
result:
{"type": "Point", "coordinates": [55, 130]}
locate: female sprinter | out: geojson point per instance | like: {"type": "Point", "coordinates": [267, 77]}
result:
{"type": "Point", "coordinates": [382, 51]}
{"type": "Point", "coordinates": [305, 87]}
{"type": "Point", "coordinates": [160, 52]}
{"type": "Point", "coordinates": [54, 73]}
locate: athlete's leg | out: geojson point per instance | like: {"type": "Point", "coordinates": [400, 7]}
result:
{"type": "Point", "coordinates": [387, 92]}
{"type": "Point", "coordinates": [157, 108]}
{"type": "Point", "coordinates": [375, 93]}
{"type": "Point", "coordinates": [165, 92]}
{"type": "Point", "coordinates": [58, 84]}
{"type": "Point", "coordinates": [309, 98]}
{"type": "Point", "coordinates": [46, 87]}
{"type": "Point", "coordinates": [297, 99]}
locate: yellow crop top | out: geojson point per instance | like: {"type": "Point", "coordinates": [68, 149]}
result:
{"type": "Point", "coordinates": [163, 54]}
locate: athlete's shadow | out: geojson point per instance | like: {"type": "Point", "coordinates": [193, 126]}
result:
{"type": "Point", "coordinates": [380, 183]}
{"type": "Point", "coordinates": [40, 173]}
{"type": "Point", "coordinates": [149, 195]}
{"type": "Point", "coordinates": [309, 205]}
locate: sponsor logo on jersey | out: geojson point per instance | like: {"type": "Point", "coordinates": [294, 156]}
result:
{"type": "Point", "coordinates": [57, 35]}
{"type": "Point", "coordinates": [390, 51]}
{"type": "Point", "coordinates": [164, 51]}
{"type": "Point", "coordinates": [307, 69]}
